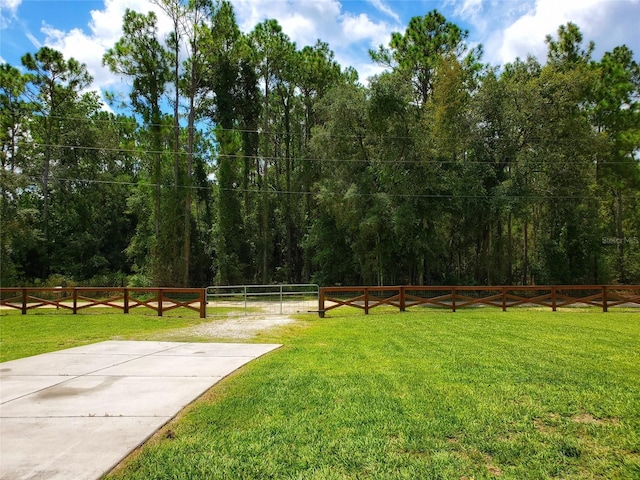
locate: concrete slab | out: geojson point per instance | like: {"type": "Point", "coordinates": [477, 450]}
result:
{"type": "Point", "coordinates": [61, 365]}
{"type": "Point", "coordinates": [218, 349]}
{"type": "Point", "coordinates": [175, 366]}
{"type": "Point", "coordinates": [94, 396]}
{"type": "Point", "coordinates": [76, 413]}
{"type": "Point", "coordinates": [84, 447]}
{"type": "Point", "coordinates": [121, 347]}
{"type": "Point", "coordinates": [15, 387]}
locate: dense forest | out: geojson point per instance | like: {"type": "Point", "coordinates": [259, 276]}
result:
{"type": "Point", "coordinates": [241, 158]}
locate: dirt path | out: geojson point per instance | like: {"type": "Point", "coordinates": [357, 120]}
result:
{"type": "Point", "coordinates": [237, 328]}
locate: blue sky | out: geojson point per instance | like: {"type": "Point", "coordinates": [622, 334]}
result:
{"type": "Point", "coordinates": [84, 29]}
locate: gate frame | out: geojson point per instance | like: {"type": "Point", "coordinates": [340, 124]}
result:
{"type": "Point", "coordinates": [280, 292]}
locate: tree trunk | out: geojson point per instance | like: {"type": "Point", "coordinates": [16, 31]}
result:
{"type": "Point", "coordinates": [187, 200]}
{"type": "Point", "coordinates": [287, 206]}
{"type": "Point", "coordinates": [525, 252]}
{"type": "Point", "coordinates": [620, 240]}
{"type": "Point", "coordinates": [265, 188]}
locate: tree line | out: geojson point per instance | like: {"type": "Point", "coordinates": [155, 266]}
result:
{"type": "Point", "coordinates": [240, 158]}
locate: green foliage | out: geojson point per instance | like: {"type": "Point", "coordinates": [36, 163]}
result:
{"type": "Point", "coordinates": [14, 110]}
{"type": "Point", "coordinates": [140, 55]}
{"type": "Point", "coordinates": [566, 51]}
{"type": "Point", "coordinates": [285, 169]}
{"type": "Point", "coordinates": [52, 87]}
{"type": "Point", "coordinates": [418, 53]}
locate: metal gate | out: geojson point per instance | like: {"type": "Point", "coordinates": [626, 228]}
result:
{"type": "Point", "coordinates": [260, 300]}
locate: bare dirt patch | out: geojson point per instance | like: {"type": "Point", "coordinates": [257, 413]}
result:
{"type": "Point", "coordinates": [236, 328]}
{"type": "Point", "coordinates": [551, 424]}
{"type": "Point", "coordinates": [587, 418]}
{"type": "Point", "coordinates": [493, 470]}
{"type": "Point", "coordinates": [547, 426]}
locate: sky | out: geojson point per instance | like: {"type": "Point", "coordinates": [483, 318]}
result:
{"type": "Point", "coordinates": [507, 29]}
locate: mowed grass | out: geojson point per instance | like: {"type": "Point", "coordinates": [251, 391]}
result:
{"type": "Point", "coordinates": [419, 395]}
{"type": "Point", "coordinates": [47, 330]}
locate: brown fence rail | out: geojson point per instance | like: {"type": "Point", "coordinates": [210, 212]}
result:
{"type": "Point", "coordinates": [454, 297]}
{"type": "Point", "coordinates": [124, 298]}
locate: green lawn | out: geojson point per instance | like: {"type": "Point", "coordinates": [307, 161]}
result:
{"type": "Point", "coordinates": [426, 394]}
{"type": "Point", "coordinates": [46, 330]}
{"type": "Point", "coordinates": [475, 394]}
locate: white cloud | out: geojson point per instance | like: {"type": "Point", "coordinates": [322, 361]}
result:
{"type": "Point", "coordinates": [8, 9]}
{"type": "Point", "coordinates": [106, 24]}
{"type": "Point", "coordinates": [466, 7]}
{"type": "Point", "coordinates": [299, 27]}
{"type": "Point", "coordinates": [470, 11]}
{"type": "Point", "coordinates": [367, 70]}
{"type": "Point", "coordinates": [84, 49]}
{"type": "Point", "coordinates": [34, 41]}
{"type": "Point", "coordinates": [360, 27]}
{"type": "Point", "coordinates": [381, 6]}
{"type": "Point", "coordinates": [606, 22]}
{"type": "Point", "coordinates": [304, 21]}
{"type": "Point", "coordinates": [104, 30]}
{"type": "Point", "coordinates": [11, 5]}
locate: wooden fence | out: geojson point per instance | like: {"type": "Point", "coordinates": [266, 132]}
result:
{"type": "Point", "coordinates": [454, 297]}
{"type": "Point", "coordinates": [124, 298]}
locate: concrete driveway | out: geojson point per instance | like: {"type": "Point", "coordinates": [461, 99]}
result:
{"type": "Point", "coordinates": [75, 413]}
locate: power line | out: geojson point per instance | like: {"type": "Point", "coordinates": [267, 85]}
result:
{"type": "Point", "coordinates": [334, 194]}
{"type": "Point", "coordinates": [239, 156]}
{"type": "Point", "coordinates": [260, 131]}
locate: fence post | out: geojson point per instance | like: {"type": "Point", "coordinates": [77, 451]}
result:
{"type": "Point", "coordinates": [366, 301]}
{"type": "Point", "coordinates": [24, 301]}
{"type": "Point", "coordinates": [553, 298]}
{"type": "Point", "coordinates": [126, 300]}
{"type": "Point", "coordinates": [402, 299]}
{"type": "Point", "coordinates": [453, 299]}
{"type": "Point", "coordinates": [160, 302]}
{"type": "Point", "coordinates": [504, 299]}
{"type": "Point", "coordinates": [75, 300]}
{"type": "Point", "coordinates": [605, 306]}
{"type": "Point", "coordinates": [203, 303]}
{"type": "Point", "coordinates": [321, 303]}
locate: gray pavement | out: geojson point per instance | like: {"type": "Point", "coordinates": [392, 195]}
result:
{"type": "Point", "coordinates": [75, 413]}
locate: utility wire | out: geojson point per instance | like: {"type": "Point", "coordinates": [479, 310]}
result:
{"type": "Point", "coordinates": [257, 130]}
{"type": "Point", "coordinates": [239, 156]}
{"type": "Point", "coordinates": [313, 193]}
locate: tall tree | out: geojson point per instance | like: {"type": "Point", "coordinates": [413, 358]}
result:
{"type": "Point", "coordinates": [418, 52]}
{"type": "Point", "coordinates": [194, 87]}
{"type": "Point", "coordinates": [175, 10]}
{"type": "Point", "coordinates": [502, 139]}
{"type": "Point", "coordinates": [88, 209]}
{"type": "Point", "coordinates": [272, 49]}
{"type": "Point", "coordinates": [223, 55]}
{"type": "Point", "coordinates": [338, 251]}
{"type": "Point", "coordinates": [616, 114]}
{"type": "Point", "coordinates": [53, 88]}
{"type": "Point", "coordinates": [14, 115]}
{"type": "Point", "coordinates": [566, 51]}
{"type": "Point", "coordinates": [568, 236]}
{"type": "Point", "coordinates": [316, 73]}
{"type": "Point", "coordinates": [140, 55]}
